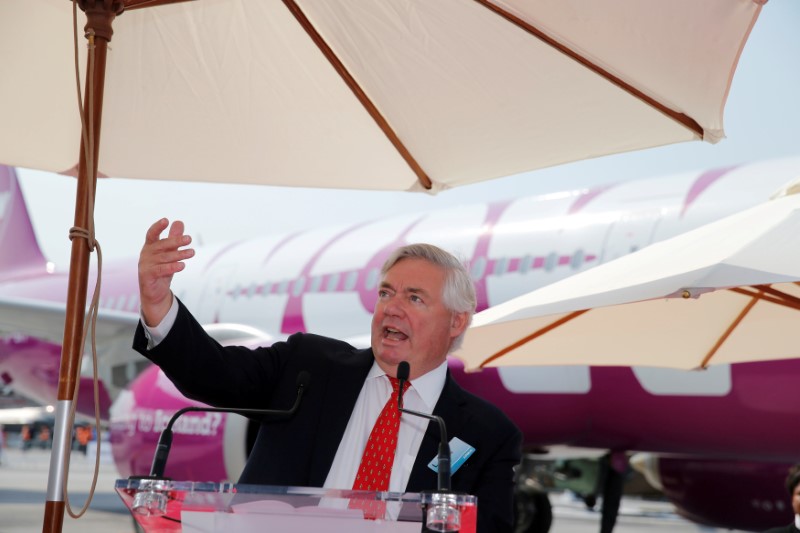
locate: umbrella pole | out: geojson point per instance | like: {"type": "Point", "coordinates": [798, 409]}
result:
{"type": "Point", "coordinates": [100, 14]}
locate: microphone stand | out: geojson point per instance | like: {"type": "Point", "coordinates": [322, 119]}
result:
{"type": "Point", "coordinates": [443, 468]}
{"type": "Point", "coordinates": [443, 515]}
{"type": "Point", "coordinates": [150, 499]}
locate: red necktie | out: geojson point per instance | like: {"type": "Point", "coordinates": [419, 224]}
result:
{"type": "Point", "coordinates": [376, 463]}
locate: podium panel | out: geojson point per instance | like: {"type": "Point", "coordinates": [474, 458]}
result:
{"type": "Point", "coordinates": [161, 506]}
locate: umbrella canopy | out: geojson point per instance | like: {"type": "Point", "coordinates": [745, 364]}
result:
{"type": "Point", "coordinates": [386, 95]}
{"type": "Point", "coordinates": [726, 292]}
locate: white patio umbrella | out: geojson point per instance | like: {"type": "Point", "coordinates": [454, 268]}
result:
{"type": "Point", "coordinates": [726, 292]}
{"type": "Point", "coordinates": [391, 94]}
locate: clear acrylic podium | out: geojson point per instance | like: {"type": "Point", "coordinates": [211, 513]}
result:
{"type": "Point", "coordinates": [192, 507]}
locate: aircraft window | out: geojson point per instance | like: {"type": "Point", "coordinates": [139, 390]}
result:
{"type": "Point", "coordinates": [550, 261]}
{"type": "Point", "coordinates": [478, 268]}
{"type": "Point", "coordinates": [282, 287]}
{"type": "Point", "coordinates": [299, 285]}
{"type": "Point", "coordinates": [236, 290]}
{"type": "Point", "coordinates": [119, 375]}
{"type": "Point", "coordinates": [525, 264]}
{"type": "Point", "coordinates": [350, 280]}
{"type": "Point", "coordinates": [316, 281]}
{"type": "Point", "coordinates": [500, 266]}
{"type": "Point", "coordinates": [333, 282]}
{"type": "Point", "coordinates": [372, 279]}
{"type": "Point", "coordinates": [267, 288]}
{"type": "Point", "coordinates": [140, 366]}
{"type": "Point", "coordinates": [577, 259]}
{"type": "Point", "coordinates": [251, 290]}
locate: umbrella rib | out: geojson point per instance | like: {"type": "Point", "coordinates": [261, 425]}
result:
{"type": "Point", "coordinates": [138, 4]}
{"type": "Point", "coordinates": [538, 333]}
{"type": "Point", "coordinates": [359, 93]}
{"type": "Point", "coordinates": [682, 119]}
{"type": "Point", "coordinates": [773, 295]}
{"type": "Point", "coordinates": [729, 330]}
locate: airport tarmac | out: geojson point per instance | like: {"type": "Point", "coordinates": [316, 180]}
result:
{"type": "Point", "coordinates": [23, 487]}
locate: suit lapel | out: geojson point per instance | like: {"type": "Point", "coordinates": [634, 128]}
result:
{"type": "Point", "coordinates": [343, 386]}
{"type": "Point", "coordinates": [449, 408]}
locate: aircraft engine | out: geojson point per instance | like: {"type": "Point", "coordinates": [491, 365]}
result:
{"type": "Point", "coordinates": [728, 494]}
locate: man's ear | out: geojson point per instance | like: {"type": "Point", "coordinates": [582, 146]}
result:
{"type": "Point", "coordinates": [458, 324]}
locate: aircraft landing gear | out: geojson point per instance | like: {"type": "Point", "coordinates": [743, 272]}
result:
{"type": "Point", "coordinates": [588, 478]}
{"type": "Point", "coordinates": [615, 466]}
{"type": "Point", "coordinates": [533, 512]}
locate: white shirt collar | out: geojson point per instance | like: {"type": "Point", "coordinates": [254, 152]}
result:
{"type": "Point", "coordinates": [429, 386]}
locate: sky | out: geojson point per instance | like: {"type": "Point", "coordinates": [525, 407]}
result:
{"type": "Point", "coordinates": [761, 121]}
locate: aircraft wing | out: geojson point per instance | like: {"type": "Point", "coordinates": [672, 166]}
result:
{"type": "Point", "coordinates": [45, 320]}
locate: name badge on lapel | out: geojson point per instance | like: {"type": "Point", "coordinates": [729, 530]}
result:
{"type": "Point", "coordinates": [460, 451]}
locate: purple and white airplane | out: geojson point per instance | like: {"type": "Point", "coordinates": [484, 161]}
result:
{"type": "Point", "coordinates": [719, 442]}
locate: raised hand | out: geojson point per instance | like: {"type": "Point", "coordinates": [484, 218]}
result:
{"type": "Point", "coordinates": [159, 260]}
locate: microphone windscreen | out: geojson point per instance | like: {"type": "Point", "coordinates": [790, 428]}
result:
{"type": "Point", "coordinates": [303, 379]}
{"type": "Point", "coordinates": [403, 370]}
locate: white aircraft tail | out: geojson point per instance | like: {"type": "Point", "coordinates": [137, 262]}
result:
{"type": "Point", "coordinates": [20, 254]}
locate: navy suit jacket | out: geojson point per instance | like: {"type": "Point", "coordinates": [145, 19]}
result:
{"type": "Point", "coordinates": [785, 529]}
{"type": "Point", "coordinates": [299, 451]}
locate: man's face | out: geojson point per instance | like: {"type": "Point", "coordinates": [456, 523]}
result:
{"type": "Point", "coordinates": [796, 499]}
{"type": "Point", "coordinates": [411, 323]}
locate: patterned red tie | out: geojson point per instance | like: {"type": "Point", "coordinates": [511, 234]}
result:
{"type": "Point", "coordinates": [376, 463]}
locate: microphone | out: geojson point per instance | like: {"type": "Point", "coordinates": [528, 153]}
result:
{"type": "Point", "coordinates": [441, 513]}
{"type": "Point", "coordinates": [165, 440]}
{"type": "Point", "coordinates": [443, 470]}
{"type": "Point", "coordinates": [151, 498]}
{"type": "Point", "coordinates": [403, 371]}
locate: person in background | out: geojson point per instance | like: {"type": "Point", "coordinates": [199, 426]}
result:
{"type": "Point", "coordinates": [26, 437]}
{"type": "Point", "coordinates": [793, 486]}
{"type": "Point", "coordinates": [83, 434]}
{"type": "Point", "coordinates": [45, 437]}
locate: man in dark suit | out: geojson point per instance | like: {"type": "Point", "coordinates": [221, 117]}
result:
{"type": "Point", "coordinates": [425, 302]}
{"type": "Point", "coordinates": [793, 486]}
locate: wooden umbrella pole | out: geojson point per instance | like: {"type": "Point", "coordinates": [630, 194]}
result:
{"type": "Point", "coordinates": [100, 15]}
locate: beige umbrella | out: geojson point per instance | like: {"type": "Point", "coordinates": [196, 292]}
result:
{"type": "Point", "coordinates": [393, 95]}
{"type": "Point", "coordinates": [389, 95]}
{"type": "Point", "coordinates": [726, 292]}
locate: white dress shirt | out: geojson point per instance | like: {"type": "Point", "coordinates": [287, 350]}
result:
{"type": "Point", "coordinates": [421, 396]}
{"type": "Point", "coordinates": [156, 334]}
